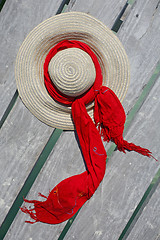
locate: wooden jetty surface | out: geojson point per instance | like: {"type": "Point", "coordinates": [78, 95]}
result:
{"type": "Point", "coordinates": [126, 205]}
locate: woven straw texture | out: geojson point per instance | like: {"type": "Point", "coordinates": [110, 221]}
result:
{"type": "Point", "coordinates": [34, 49]}
{"type": "Point", "coordinates": [72, 71]}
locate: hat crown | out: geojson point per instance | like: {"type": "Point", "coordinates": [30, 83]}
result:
{"type": "Point", "coordinates": [72, 71]}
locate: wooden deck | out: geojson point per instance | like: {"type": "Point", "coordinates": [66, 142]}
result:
{"type": "Point", "coordinates": [35, 157]}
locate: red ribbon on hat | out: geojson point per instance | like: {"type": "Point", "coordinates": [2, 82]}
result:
{"type": "Point", "coordinates": [69, 195]}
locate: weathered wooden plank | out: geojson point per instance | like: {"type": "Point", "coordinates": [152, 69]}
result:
{"type": "Point", "coordinates": [106, 11]}
{"type": "Point", "coordinates": [148, 225]}
{"type": "Point", "coordinates": [17, 19]}
{"type": "Point", "coordinates": [22, 139]}
{"type": "Point", "coordinates": [140, 37]}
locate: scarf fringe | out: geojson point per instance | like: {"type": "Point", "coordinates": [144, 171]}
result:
{"type": "Point", "coordinates": [110, 118]}
{"type": "Point", "coordinates": [30, 211]}
{"type": "Point", "coordinates": [123, 145]}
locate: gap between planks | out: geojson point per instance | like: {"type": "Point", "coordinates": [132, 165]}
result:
{"type": "Point", "coordinates": [2, 2]}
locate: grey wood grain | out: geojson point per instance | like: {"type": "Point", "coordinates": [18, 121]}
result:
{"type": "Point", "coordinates": [106, 11]}
{"type": "Point", "coordinates": [148, 225]}
{"type": "Point", "coordinates": [17, 19]}
{"type": "Point", "coordinates": [141, 39]}
{"type": "Point", "coordinates": [23, 137]}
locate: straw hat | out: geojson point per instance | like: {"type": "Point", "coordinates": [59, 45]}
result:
{"type": "Point", "coordinates": [71, 70]}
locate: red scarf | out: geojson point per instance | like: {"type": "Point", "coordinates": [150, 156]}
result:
{"type": "Point", "coordinates": [69, 195]}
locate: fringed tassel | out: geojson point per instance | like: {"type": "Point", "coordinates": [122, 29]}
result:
{"type": "Point", "coordinates": [38, 209]}
{"type": "Point", "coordinates": [29, 212]}
{"type": "Point", "coordinates": [110, 117]}
{"type": "Point", "coordinates": [123, 145]}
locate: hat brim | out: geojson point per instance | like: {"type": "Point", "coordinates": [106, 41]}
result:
{"type": "Point", "coordinates": [33, 51]}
